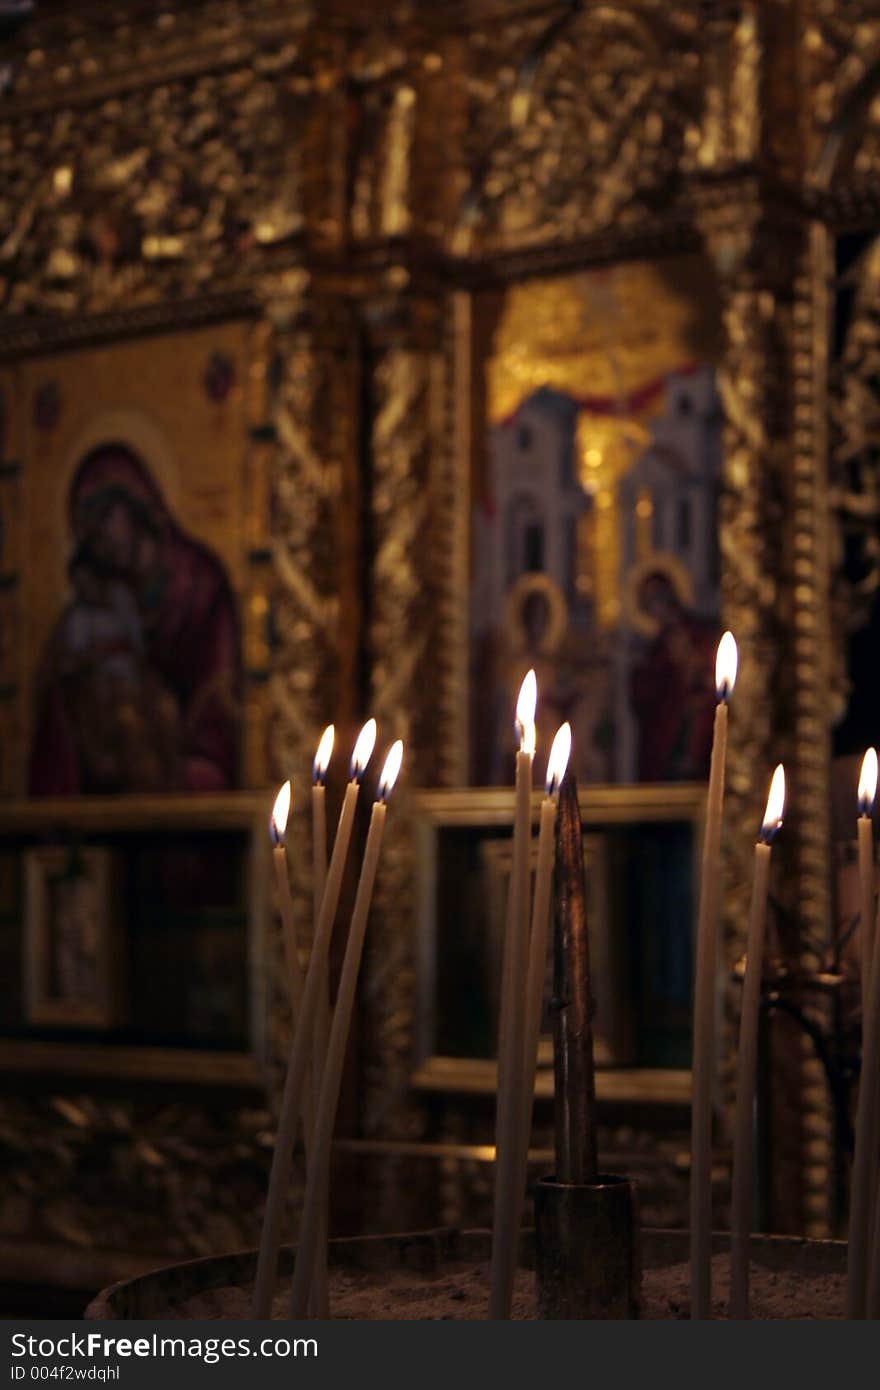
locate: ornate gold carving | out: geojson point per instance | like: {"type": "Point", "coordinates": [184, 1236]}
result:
{"type": "Point", "coordinates": [396, 173]}
{"type": "Point", "coordinates": [731, 126]}
{"type": "Point", "coordinates": [184, 164]}
{"type": "Point", "coordinates": [310, 429]}
{"type": "Point", "coordinates": [561, 146]}
{"type": "Point", "coordinates": [175, 191]}
{"type": "Point", "coordinates": [781, 664]}
{"type": "Point", "coordinates": [841, 51]}
{"type": "Point", "coordinates": [855, 439]}
{"type": "Point", "coordinates": [83, 53]}
{"type": "Point", "coordinates": [408, 383]}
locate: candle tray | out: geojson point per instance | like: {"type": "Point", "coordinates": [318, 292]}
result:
{"type": "Point", "coordinates": [163, 1292]}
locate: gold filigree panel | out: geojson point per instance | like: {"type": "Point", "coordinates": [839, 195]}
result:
{"type": "Point", "coordinates": [578, 123]}
{"type": "Point", "coordinates": [840, 54]}
{"type": "Point", "coordinates": [171, 191]}
{"type": "Point", "coordinates": [406, 442]}
{"type": "Point", "coordinates": [310, 411]}
{"type": "Point", "coordinates": [82, 48]}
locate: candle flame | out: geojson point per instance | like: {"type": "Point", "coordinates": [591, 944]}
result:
{"type": "Point", "coordinates": [558, 760]}
{"type": "Point", "coordinates": [280, 812]}
{"type": "Point", "coordinates": [363, 750]}
{"type": "Point", "coordinates": [726, 663]}
{"type": "Point", "coordinates": [775, 805]}
{"type": "Point", "coordinates": [868, 782]}
{"type": "Point", "coordinates": [390, 771]}
{"type": "Point", "coordinates": [526, 705]}
{"type": "Point", "coordinates": [322, 757]}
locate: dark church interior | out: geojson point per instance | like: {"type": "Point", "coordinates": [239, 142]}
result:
{"type": "Point", "coordinates": [475, 369]}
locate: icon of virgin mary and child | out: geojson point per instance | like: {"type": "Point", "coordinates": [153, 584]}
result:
{"type": "Point", "coordinates": [139, 683]}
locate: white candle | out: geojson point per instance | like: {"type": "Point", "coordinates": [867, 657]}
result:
{"type": "Point", "coordinates": [319, 1303]}
{"type": "Point", "coordinates": [301, 1049]}
{"type": "Point", "coordinates": [278, 833]}
{"type": "Point", "coordinates": [866, 794]}
{"type": "Point", "coordinates": [342, 1014]}
{"type": "Point", "coordinates": [278, 836]}
{"type": "Point", "coordinates": [872, 1308]}
{"type": "Point", "coordinates": [704, 996]}
{"type": "Point", "coordinates": [536, 975]}
{"type": "Point", "coordinates": [863, 1266]}
{"type": "Point", "coordinates": [747, 1056]}
{"type": "Point", "coordinates": [505, 1221]}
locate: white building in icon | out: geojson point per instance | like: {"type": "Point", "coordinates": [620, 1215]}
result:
{"type": "Point", "coordinates": [675, 485]}
{"type": "Point", "coordinates": [668, 504]}
{"type": "Point", "coordinates": [535, 504]}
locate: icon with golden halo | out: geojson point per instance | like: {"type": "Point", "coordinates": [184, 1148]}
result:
{"type": "Point", "coordinates": [655, 587]}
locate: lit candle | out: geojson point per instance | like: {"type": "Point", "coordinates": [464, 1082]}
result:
{"type": "Point", "coordinates": [704, 996]}
{"type": "Point", "coordinates": [537, 972]}
{"type": "Point", "coordinates": [319, 817]}
{"type": "Point", "coordinates": [863, 1268]}
{"type": "Point", "coordinates": [319, 1305]}
{"type": "Point", "coordinates": [342, 1014]}
{"type": "Point", "coordinates": [278, 835]}
{"type": "Point", "coordinates": [301, 1048]}
{"type": "Point", "coordinates": [505, 1221]}
{"type": "Point", "coordinates": [747, 1057]}
{"type": "Point", "coordinates": [867, 792]}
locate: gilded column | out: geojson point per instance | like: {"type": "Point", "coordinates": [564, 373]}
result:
{"type": "Point", "coordinates": [309, 423]}
{"type": "Point", "coordinates": [405, 454]}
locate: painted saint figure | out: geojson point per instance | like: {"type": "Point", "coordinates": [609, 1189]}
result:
{"type": "Point", "coordinates": [139, 687]}
{"type": "Point", "coordinates": [673, 685]}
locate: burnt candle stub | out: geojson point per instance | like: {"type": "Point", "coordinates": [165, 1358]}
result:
{"type": "Point", "coordinates": [575, 1085]}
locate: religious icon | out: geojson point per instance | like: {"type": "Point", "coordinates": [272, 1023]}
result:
{"type": "Point", "coordinates": [594, 531]}
{"type": "Point", "coordinates": [672, 690]}
{"type": "Point", "coordinates": [72, 945]}
{"type": "Point", "coordinates": [139, 685]}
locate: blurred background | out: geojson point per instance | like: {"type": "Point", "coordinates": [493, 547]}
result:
{"type": "Point", "coordinates": [353, 360]}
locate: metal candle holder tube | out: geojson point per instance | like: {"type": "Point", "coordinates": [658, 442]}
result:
{"type": "Point", "coordinates": [586, 1223]}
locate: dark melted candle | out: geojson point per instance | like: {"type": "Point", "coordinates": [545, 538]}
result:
{"type": "Point", "coordinates": [573, 1064]}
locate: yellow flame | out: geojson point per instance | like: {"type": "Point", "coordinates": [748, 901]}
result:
{"type": "Point", "coordinates": [868, 782]}
{"type": "Point", "coordinates": [281, 810]}
{"type": "Point", "coordinates": [558, 760]}
{"type": "Point", "coordinates": [775, 803]}
{"type": "Point", "coordinates": [363, 748]}
{"type": "Point", "coordinates": [725, 666]}
{"type": "Point", "coordinates": [325, 750]}
{"type": "Point", "coordinates": [526, 705]}
{"type": "Point", "coordinates": [390, 770]}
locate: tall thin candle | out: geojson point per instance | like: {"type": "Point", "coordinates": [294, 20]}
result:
{"type": "Point", "coordinates": [319, 1299]}
{"type": "Point", "coordinates": [704, 995]}
{"type": "Point", "coordinates": [863, 1282]}
{"type": "Point", "coordinates": [505, 1221]}
{"type": "Point", "coordinates": [574, 1063]}
{"type": "Point", "coordinates": [301, 1049]}
{"type": "Point", "coordinates": [747, 1057]}
{"type": "Point", "coordinates": [320, 1303]}
{"type": "Point", "coordinates": [866, 794]}
{"type": "Point", "coordinates": [278, 834]}
{"type": "Point", "coordinates": [332, 1078]}
{"type": "Point", "coordinates": [537, 970]}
